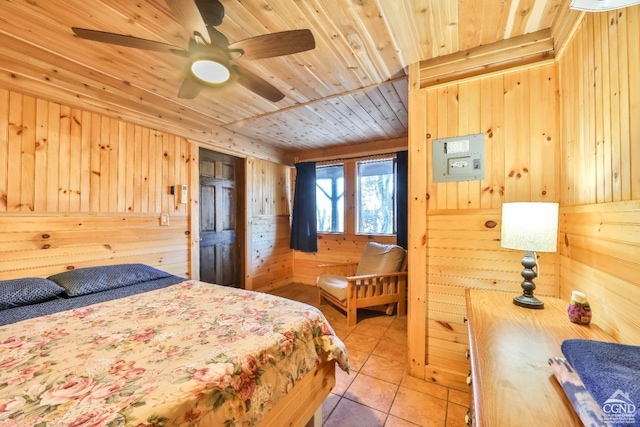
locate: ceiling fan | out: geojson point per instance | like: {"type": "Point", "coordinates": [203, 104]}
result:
{"type": "Point", "coordinates": [212, 58]}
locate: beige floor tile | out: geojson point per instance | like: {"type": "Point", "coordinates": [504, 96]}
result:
{"type": "Point", "coordinates": [372, 392]}
{"type": "Point", "coordinates": [419, 408]}
{"type": "Point", "coordinates": [332, 314]}
{"type": "Point", "coordinates": [399, 324]}
{"type": "Point", "coordinates": [456, 415]}
{"type": "Point", "coordinates": [341, 333]}
{"type": "Point", "coordinates": [370, 329]}
{"type": "Point", "coordinates": [397, 336]}
{"type": "Point", "coordinates": [352, 414]}
{"type": "Point", "coordinates": [360, 342]}
{"type": "Point", "coordinates": [391, 350]}
{"type": "Point", "coordinates": [398, 422]}
{"type": "Point", "coordinates": [357, 359]}
{"type": "Point", "coordinates": [425, 387]}
{"type": "Point", "coordinates": [459, 397]}
{"type": "Point", "coordinates": [384, 369]}
{"type": "Point", "coordinates": [338, 321]}
{"type": "Point", "coordinates": [376, 317]}
{"type": "Point", "coordinates": [343, 381]}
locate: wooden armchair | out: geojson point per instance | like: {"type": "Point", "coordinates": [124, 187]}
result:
{"type": "Point", "coordinates": [379, 279]}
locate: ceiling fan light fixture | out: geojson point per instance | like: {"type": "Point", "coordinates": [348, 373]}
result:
{"type": "Point", "coordinates": [601, 5]}
{"type": "Point", "coordinates": [210, 70]}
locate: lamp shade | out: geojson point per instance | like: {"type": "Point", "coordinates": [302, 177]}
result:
{"type": "Point", "coordinates": [530, 226]}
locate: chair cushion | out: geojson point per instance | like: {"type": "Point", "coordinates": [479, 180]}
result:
{"type": "Point", "coordinates": [380, 259]}
{"type": "Point", "coordinates": [334, 285]}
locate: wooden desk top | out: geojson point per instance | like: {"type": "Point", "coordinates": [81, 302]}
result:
{"type": "Point", "coordinates": [513, 383]}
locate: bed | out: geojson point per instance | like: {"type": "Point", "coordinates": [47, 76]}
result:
{"type": "Point", "coordinates": [130, 345]}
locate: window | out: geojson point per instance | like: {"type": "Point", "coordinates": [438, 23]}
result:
{"type": "Point", "coordinates": [330, 198]}
{"type": "Point", "coordinates": [375, 197]}
{"type": "Point", "coordinates": [357, 196]}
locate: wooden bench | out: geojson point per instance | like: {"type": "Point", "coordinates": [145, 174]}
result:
{"type": "Point", "coordinates": [378, 280]}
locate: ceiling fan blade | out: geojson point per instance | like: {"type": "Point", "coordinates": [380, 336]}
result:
{"type": "Point", "coordinates": [258, 85]}
{"type": "Point", "coordinates": [275, 44]}
{"type": "Point", "coordinates": [187, 13]}
{"type": "Point", "coordinates": [217, 38]}
{"type": "Point", "coordinates": [127, 41]}
{"type": "Point", "coordinates": [190, 87]}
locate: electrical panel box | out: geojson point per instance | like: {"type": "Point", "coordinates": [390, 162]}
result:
{"type": "Point", "coordinates": [459, 158]}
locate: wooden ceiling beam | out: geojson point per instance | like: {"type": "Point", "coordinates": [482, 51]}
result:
{"type": "Point", "coordinates": [565, 25]}
{"type": "Point", "coordinates": [353, 151]}
{"type": "Point", "coordinates": [529, 49]}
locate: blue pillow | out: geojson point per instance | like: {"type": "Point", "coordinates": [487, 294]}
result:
{"type": "Point", "coordinates": [82, 281]}
{"type": "Point", "coordinates": [25, 291]}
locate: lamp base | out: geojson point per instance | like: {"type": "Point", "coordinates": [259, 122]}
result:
{"type": "Point", "coordinates": [528, 302]}
{"type": "Point", "coordinates": [526, 299]}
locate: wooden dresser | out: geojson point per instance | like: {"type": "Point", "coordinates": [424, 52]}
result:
{"type": "Point", "coordinates": [513, 385]}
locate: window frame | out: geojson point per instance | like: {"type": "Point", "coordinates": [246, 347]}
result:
{"type": "Point", "coordinates": [350, 194]}
{"type": "Point", "coordinates": [357, 196]}
{"type": "Point", "coordinates": [344, 194]}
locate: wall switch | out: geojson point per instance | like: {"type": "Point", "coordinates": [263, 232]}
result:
{"type": "Point", "coordinates": [164, 219]}
{"type": "Point", "coordinates": [183, 197]}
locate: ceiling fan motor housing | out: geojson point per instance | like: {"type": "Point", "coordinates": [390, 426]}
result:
{"type": "Point", "coordinates": [212, 11]}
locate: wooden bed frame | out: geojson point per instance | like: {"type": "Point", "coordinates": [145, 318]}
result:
{"type": "Point", "coordinates": [302, 406]}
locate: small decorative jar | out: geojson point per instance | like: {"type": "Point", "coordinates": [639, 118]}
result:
{"type": "Point", "coordinates": [579, 310]}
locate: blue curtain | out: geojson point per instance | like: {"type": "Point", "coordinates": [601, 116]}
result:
{"type": "Point", "coordinates": [402, 198]}
{"type": "Point", "coordinates": [304, 231]}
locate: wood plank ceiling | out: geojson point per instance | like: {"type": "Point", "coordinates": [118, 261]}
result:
{"type": "Point", "coordinates": [351, 89]}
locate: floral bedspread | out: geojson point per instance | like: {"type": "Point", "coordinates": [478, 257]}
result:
{"type": "Point", "coordinates": [190, 354]}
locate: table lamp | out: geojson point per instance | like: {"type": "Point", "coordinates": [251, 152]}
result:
{"type": "Point", "coordinates": [531, 227]}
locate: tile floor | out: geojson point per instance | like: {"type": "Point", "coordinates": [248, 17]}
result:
{"type": "Point", "coordinates": [378, 392]}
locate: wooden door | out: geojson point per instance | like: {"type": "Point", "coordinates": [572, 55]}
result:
{"type": "Point", "coordinates": [219, 252]}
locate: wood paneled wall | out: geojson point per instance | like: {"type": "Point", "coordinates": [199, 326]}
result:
{"type": "Point", "coordinates": [270, 261]}
{"type": "Point", "coordinates": [600, 210]}
{"type": "Point", "coordinates": [600, 109]}
{"type": "Point", "coordinates": [57, 159]}
{"type": "Point", "coordinates": [80, 189]}
{"type": "Point", "coordinates": [517, 113]}
{"type": "Point", "coordinates": [572, 139]}
{"type": "Point", "coordinates": [45, 244]}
